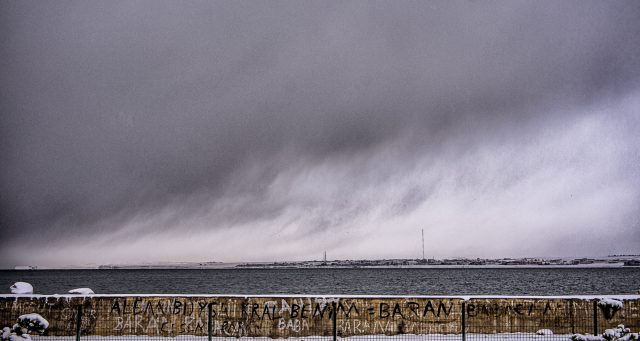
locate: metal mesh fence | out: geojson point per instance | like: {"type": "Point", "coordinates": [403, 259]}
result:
{"type": "Point", "coordinates": [61, 315]}
{"type": "Point", "coordinates": [608, 314]}
{"type": "Point", "coordinates": [404, 319]}
{"type": "Point", "coordinates": [162, 318]}
{"type": "Point", "coordinates": [540, 319]}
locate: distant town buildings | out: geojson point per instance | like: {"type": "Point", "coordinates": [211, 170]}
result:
{"type": "Point", "coordinates": [25, 267]}
{"type": "Point", "coordinates": [609, 261]}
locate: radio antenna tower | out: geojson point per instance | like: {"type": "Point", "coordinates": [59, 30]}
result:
{"type": "Point", "coordinates": [422, 244]}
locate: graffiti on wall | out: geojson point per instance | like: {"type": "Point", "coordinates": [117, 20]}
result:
{"type": "Point", "coordinates": [281, 317]}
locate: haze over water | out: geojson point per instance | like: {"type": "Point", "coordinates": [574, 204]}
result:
{"type": "Point", "coordinates": [359, 281]}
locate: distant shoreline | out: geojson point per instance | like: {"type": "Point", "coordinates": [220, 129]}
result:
{"type": "Point", "coordinates": [275, 267]}
{"type": "Point", "coordinates": [615, 261]}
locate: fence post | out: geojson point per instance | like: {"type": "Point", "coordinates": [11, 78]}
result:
{"type": "Point", "coordinates": [334, 318]}
{"type": "Point", "coordinates": [464, 322]}
{"type": "Point", "coordinates": [595, 317]}
{"type": "Point", "coordinates": [572, 317]}
{"type": "Point", "coordinates": [209, 321]}
{"type": "Point", "coordinates": [78, 322]}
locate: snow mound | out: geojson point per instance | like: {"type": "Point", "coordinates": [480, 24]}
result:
{"type": "Point", "coordinates": [544, 332]}
{"type": "Point", "coordinates": [611, 334]}
{"type": "Point", "coordinates": [620, 333]}
{"type": "Point", "coordinates": [23, 337]}
{"type": "Point", "coordinates": [33, 322]}
{"type": "Point", "coordinates": [25, 323]}
{"type": "Point", "coordinates": [21, 288]}
{"type": "Point", "coordinates": [629, 337]}
{"type": "Point", "coordinates": [82, 291]}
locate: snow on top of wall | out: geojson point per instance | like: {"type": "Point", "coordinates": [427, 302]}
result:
{"type": "Point", "coordinates": [619, 298]}
{"type": "Point", "coordinates": [82, 291]}
{"type": "Point", "coordinates": [611, 303]}
{"type": "Point", "coordinates": [21, 288]}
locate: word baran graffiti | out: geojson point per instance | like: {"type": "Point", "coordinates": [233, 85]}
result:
{"type": "Point", "coordinates": [414, 309]}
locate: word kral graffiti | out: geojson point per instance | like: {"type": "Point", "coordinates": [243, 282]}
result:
{"type": "Point", "coordinates": [274, 310]}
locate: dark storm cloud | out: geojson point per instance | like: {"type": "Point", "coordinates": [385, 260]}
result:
{"type": "Point", "coordinates": [117, 112]}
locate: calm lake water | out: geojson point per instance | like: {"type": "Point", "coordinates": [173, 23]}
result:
{"type": "Point", "coordinates": [439, 281]}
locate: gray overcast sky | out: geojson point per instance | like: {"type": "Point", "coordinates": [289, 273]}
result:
{"type": "Point", "coordinates": [141, 131]}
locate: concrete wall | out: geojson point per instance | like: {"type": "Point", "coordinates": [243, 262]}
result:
{"type": "Point", "coordinates": [278, 317]}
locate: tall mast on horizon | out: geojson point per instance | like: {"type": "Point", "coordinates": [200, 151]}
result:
{"type": "Point", "coordinates": [422, 244]}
